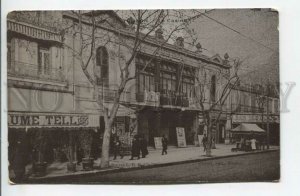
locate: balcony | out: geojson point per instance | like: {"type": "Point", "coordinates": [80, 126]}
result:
{"type": "Point", "coordinates": [23, 70]}
{"type": "Point", "coordinates": [174, 100]}
{"type": "Point", "coordinates": [237, 108]}
{"type": "Point", "coordinates": [108, 95]}
{"type": "Point", "coordinates": [156, 99]}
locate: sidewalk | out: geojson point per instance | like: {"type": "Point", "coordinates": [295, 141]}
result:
{"type": "Point", "coordinates": [154, 158]}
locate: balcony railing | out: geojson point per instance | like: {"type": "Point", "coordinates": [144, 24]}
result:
{"type": "Point", "coordinates": [109, 95]}
{"type": "Point", "coordinates": [31, 71]}
{"type": "Point", "coordinates": [156, 98]}
{"type": "Point", "coordinates": [245, 108]}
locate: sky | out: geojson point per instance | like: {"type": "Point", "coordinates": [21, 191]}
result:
{"type": "Point", "coordinates": [253, 38]}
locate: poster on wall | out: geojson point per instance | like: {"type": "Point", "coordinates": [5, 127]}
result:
{"type": "Point", "coordinates": [157, 142]}
{"type": "Point", "coordinates": [181, 142]}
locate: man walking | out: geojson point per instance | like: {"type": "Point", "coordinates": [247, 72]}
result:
{"type": "Point", "coordinates": [117, 148]}
{"type": "Point", "coordinates": [164, 142]}
{"type": "Point", "coordinates": [135, 149]}
{"type": "Point", "coordinates": [204, 142]}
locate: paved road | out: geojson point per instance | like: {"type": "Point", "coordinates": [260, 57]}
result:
{"type": "Point", "coordinates": [253, 167]}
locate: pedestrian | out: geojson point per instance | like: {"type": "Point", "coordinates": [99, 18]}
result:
{"type": "Point", "coordinates": [143, 143]}
{"type": "Point", "coordinates": [135, 149]}
{"type": "Point", "coordinates": [204, 142]}
{"type": "Point", "coordinates": [79, 155]}
{"type": "Point", "coordinates": [19, 161]}
{"type": "Point", "coordinates": [164, 142]}
{"type": "Point", "coordinates": [117, 148]}
{"type": "Point", "coordinates": [253, 143]}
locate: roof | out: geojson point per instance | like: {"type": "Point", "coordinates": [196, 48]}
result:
{"type": "Point", "coordinates": [248, 128]}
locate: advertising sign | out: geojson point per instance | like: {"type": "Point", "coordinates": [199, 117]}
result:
{"type": "Point", "coordinates": [200, 137]}
{"type": "Point", "coordinates": [52, 120]}
{"type": "Point", "coordinates": [157, 142]}
{"type": "Point", "coordinates": [181, 142]}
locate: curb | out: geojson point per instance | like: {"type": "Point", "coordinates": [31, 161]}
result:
{"type": "Point", "coordinates": [52, 179]}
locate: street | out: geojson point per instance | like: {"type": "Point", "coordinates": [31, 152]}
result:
{"type": "Point", "coordinates": [245, 168]}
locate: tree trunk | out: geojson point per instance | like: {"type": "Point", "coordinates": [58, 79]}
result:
{"type": "Point", "coordinates": [105, 146]}
{"type": "Point", "coordinates": [209, 135]}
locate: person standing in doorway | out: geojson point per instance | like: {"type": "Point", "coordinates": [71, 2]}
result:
{"type": "Point", "coordinates": [253, 143]}
{"type": "Point", "coordinates": [164, 142]}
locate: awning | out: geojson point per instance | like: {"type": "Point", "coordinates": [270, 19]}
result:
{"type": "Point", "coordinates": [246, 128]}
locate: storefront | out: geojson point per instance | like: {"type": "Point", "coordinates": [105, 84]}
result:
{"type": "Point", "coordinates": [261, 121]}
{"type": "Point", "coordinates": [53, 131]}
{"type": "Point", "coordinates": [157, 122]}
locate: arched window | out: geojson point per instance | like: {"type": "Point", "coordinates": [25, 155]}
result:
{"type": "Point", "coordinates": [102, 65]}
{"type": "Point", "coordinates": [213, 89]}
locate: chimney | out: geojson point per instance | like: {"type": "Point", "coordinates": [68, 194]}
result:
{"type": "Point", "coordinates": [199, 48]}
{"type": "Point", "coordinates": [226, 57]}
{"type": "Point", "coordinates": [131, 23]}
{"type": "Point", "coordinates": [179, 42]}
{"type": "Point", "coordinates": [159, 33]}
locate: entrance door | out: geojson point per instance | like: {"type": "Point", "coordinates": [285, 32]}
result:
{"type": "Point", "coordinates": [221, 134]}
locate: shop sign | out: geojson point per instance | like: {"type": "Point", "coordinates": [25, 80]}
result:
{"type": "Point", "coordinates": [181, 142]}
{"type": "Point", "coordinates": [152, 97]}
{"type": "Point", "coordinates": [36, 120]}
{"type": "Point", "coordinates": [254, 118]}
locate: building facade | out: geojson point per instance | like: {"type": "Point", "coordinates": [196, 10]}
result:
{"type": "Point", "coordinates": [48, 90]}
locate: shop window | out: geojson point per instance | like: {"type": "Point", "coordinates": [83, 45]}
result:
{"type": "Point", "coordinates": [102, 64]}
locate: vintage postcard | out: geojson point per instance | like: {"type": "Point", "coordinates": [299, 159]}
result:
{"type": "Point", "coordinates": [162, 96]}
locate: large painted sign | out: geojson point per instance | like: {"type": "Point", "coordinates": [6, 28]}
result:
{"type": "Point", "coordinates": [181, 142]}
{"type": "Point", "coordinates": [52, 120]}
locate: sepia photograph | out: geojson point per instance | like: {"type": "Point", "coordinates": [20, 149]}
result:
{"type": "Point", "coordinates": [166, 96]}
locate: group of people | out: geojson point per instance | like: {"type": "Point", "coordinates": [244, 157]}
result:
{"type": "Point", "coordinates": [249, 144]}
{"type": "Point", "coordinates": [138, 148]}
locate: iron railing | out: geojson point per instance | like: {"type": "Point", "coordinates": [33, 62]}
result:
{"type": "Point", "coordinates": [31, 71]}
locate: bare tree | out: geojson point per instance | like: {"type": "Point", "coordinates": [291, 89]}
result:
{"type": "Point", "coordinates": [209, 103]}
{"type": "Point", "coordinates": [92, 30]}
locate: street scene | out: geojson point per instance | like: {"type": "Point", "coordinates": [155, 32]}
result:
{"type": "Point", "coordinates": [143, 96]}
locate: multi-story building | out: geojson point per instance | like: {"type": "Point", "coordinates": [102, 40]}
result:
{"type": "Point", "coordinates": [47, 89]}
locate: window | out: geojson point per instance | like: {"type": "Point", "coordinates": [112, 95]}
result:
{"type": "Point", "coordinates": [8, 56]}
{"type": "Point", "coordinates": [44, 61]}
{"type": "Point", "coordinates": [168, 78]}
{"type": "Point", "coordinates": [102, 63]}
{"type": "Point", "coordinates": [188, 82]}
{"type": "Point", "coordinates": [146, 74]}
{"type": "Point", "coordinates": [213, 89]}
